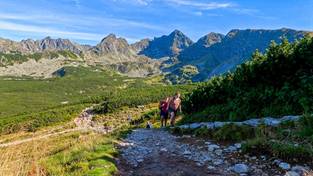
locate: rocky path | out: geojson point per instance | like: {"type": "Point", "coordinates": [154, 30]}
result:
{"type": "Point", "coordinates": [157, 152]}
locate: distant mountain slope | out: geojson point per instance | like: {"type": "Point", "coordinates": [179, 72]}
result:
{"type": "Point", "coordinates": [213, 54]}
{"type": "Point", "coordinates": [201, 47]}
{"type": "Point", "coordinates": [31, 58]}
{"type": "Point", "coordinates": [225, 53]}
{"type": "Point", "coordinates": [167, 45]}
{"type": "Point", "coordinates": [46, 44]}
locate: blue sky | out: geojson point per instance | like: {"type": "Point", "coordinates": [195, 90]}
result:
{"type": "Point", "coordinates": [88, 21]}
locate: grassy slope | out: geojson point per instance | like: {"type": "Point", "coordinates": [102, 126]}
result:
{"type": "Point", "coordinates": [30, 104]}
{"type": "Point", "coordinates": [24, 96]}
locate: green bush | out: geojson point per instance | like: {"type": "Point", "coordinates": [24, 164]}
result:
{"type": "Point", "coordinates": [203, 132]}
{"type": "Point", "coordinates": [282, 150]}
{"type": "Point", "coordinates": [306, 123]}
{"type": "Point", "coordinates": [256, 146]}
{"type": "Point", "coordinates": [291, 152]}
{"type": "Point", "coordinates": [232, 132]}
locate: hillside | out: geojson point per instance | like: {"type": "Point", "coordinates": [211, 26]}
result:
{"type": "Point", "coordinates": [275, 83]}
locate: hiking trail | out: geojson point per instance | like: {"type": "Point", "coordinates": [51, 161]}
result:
{"type": "Point", "coordinates": [157, 152]}
{"type": "Point", "coordinates": [83, 122]}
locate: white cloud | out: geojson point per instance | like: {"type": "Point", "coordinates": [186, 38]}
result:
{"type": "Point", "coordinates": [201, 5]}
{"type": "Point", "coordinates": [142, 2]}
{"type": "Point", "coordinates": [48, 31]}
{"type": "Point", "coordinates": [136, 2]}
{"type": "Point", "coordinates": [87, 21]}
{"type": "Point", "coordinates": [198, 13]}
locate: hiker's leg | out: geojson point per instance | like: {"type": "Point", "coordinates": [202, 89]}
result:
{"type": "Point", "coordinates": [172, 118]}
{"type": "Point", "coordinates": [162, 120]}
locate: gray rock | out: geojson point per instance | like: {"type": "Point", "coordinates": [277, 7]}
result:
{"type": "Point", "coordinates": [284, 165]}
{"type": "Point", "coordinates": [277, 162]}
{"type": "Point", "coordinates": [163, 150]}
{"type": "Point", "coordinates": [218, 152]}
{"type": "Point", "coordinates": [140, 160]}
{"type": "Point", "coordinates": [211, 167]}
{"type": "Point", "coordinates": [195, 125]}
{"type": "Point", "coordinates": [209, 125]}
{"type": "Point", "coordinates": [240, 168]}
{"type": "Point", "coordinates": [220, 124]}
{"type": "Point", "coordinates": [238, 145]}
{"type": "Point", "coordinates": [218, 162]}
{"type": "Point", "coordinates": [269, 121]}
{"type": "Point", "coordinates": [187, 152]}
{"type": "Point", "coordinates": [292, 173]}
{"type": "Point", "coordinates": [263, 157]}
{"type": "Point", "coordinates": [231, 149]}
{"type": "Point", "coordinates": [300, 169]}
{"type": "Point", "coordinates": [290, 118]}
{"type": "Point", "coordinates": [212, 147]}
{"type": "Point", "coordinates": [252, 122]}
{"type": "Point", "coordinates": [184, 126]}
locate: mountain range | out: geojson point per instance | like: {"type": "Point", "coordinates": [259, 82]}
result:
{"type": "Point", "coordinates": [212, 54]}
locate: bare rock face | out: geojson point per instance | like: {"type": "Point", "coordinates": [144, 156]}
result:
{"type": "Point", "coordinates": [112, 44]}
{"type": "Point", "coordinates": [57, 44]}
{"type": "Point", "coordinates": [167, 46]}
{"type": "Point", "coordinates": [201, 47]}
{"type": "Point", "coordinates": [31, 46]}
{"type": "Point", "coordinates": [141, 45]}
{"type": "Point", "coordinates": [114, 50]}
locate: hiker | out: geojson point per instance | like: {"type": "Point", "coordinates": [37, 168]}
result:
{"type": "Point", "coordinates": [174, 106]}
{"type": "Point", "coordinates": [149, 124]}
{"type": "Point", "coordinates": [164, 111]}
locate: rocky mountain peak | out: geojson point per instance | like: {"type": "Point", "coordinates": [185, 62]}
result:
{"type": "Point", "coordinates": [167, 45]}
{"type": "Point", "coordinates": [112, 44]}
{"type": "Point", "coordinates": [210, 39]}
{"type": "Point", "coordinates": [177, 33]}
{"type": "Point", "coordinates": [140, 45]}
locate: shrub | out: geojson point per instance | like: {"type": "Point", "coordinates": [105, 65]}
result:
{"type": "Point", "coordinates": [203, 132]}
{"type": "Point", "coordinates": [232, 132]}
{"type": "Point", "coordinates": [306, 124]}
{"type": "Point", "coordinates": [256, 146]}
{"type": "Point", "coordinates": [282, 150]}
{"type": "Point", "coordinates": [291, 152]}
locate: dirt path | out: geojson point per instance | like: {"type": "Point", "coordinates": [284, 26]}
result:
{"type": "Point", "coordinates": [83, 123]}
{"type": "Point", "coordinates": [44, 136]}
{"type": "Point", "coordinates": [157, 152]}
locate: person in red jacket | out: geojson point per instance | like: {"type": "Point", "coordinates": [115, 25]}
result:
{"type": "Point", "coordinates": [164, 111]}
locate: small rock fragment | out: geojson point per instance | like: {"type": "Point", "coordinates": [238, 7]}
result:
{"type": "Point", "coordinates": [240, 168]}
{"type": "Point", "coordinates": [284, 166]}
{"type": "Point", "coordinates": [292, 173]}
